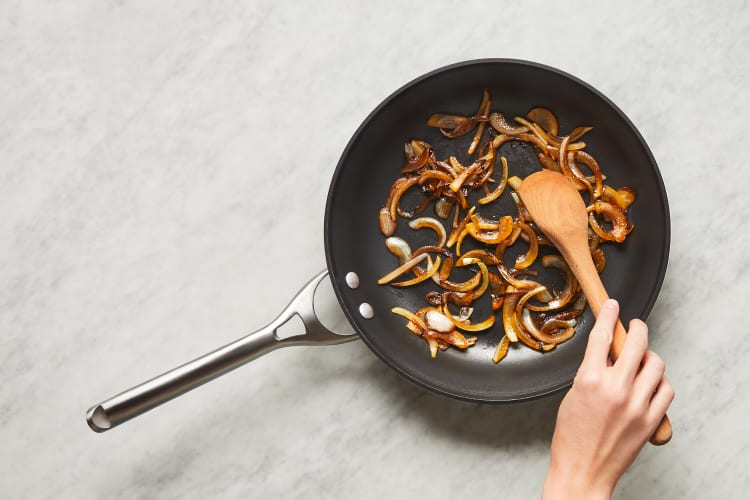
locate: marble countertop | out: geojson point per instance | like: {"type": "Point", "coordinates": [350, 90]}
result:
{"type": "Point", "coordinates": [143, 153]}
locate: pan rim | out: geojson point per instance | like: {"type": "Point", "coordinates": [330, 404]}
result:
{"type": "Point", "coordinates": [336, 279]}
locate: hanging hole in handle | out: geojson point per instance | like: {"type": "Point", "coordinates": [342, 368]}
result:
{"type": "Point", "coordinates": [328, 311]}
{"type": "Point", "coordinates": [293, 327]}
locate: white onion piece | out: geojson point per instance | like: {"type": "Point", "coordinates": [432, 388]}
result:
{"type": "Point", "coordinates": [399, 247]}
{"type": "Point", "coordinates": [439, 322]}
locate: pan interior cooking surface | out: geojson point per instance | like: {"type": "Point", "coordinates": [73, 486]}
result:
{"type": "Point", "coordinates": [373, 160]}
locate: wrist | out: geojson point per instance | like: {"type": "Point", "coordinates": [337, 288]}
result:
{"type": "Point", "coordinates": [563, 483]}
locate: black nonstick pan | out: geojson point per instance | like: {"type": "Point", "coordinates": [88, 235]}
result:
{"type": "Point", "coordinates": [354, 244]}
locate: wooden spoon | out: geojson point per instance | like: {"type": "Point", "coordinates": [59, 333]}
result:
{"type": "Point", "coordinates": [558, 210]}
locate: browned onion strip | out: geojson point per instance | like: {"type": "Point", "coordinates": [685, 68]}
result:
{"type": "Point", "coordinates": [498, 122]}
{"type": "Point", "coordinates": [544, 118]}
{"type": "Point", "coordinates": [620, 197]}
{"type": "Point", "coordinates": [502, 350]}
{"type": "Point", "coordinates": [453, 237]}
{"type": "Point", "coordinates": [579, 176]}
{"type": "Point", "coordinates": [525, 260]}
{"type": "Point", "coordinates": [387, 224]}
{"type": "Point", "coordinates": [590, 162]}
{"type": "Point", "coordinates": [551, 325]}
{"type": "Point", "coordinates": [564, 297]}
{"type": "Point", "coordinates": [413, 318]}
{"type": "Point", "coordinates": [406, 266]}
{"type": "Point", "coordinates": [482, 270]}
{"type": "Point", "coordinates": [452, 126]}
{"type": "Point", "coordinates": [512, 329]}
{"type": "Point", "coordinates": [467, 285]}
{"type": "Point", "coordinates": [498, 191]}
{"type": "Point", "coordinates": [432, 268]}
{"type": "Point", "coordinates": [497, 291]}
{"type": "Point", "coordinates": [532, 129]}
{"type": "Point", "coordinates": [481, 254]}
{"type": "Point", "coordinates": [620, 228]}
{"type": "Point", "coordinates": [417, 153]}
{"type": "Point", "coordinates": [458, 182]}
{"type": "Point", "coordinates": [542, 336]}
{"type": "Point", "coordinates": [477, 327]}
{"type": "Point", "coordinates": [484, 109]}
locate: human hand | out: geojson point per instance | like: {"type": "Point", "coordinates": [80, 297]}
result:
{"type": "Point", "coordinates": [608, 414]}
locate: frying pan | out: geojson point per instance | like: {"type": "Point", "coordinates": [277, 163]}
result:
{"type": "Point", "coordinates": [368, 166]}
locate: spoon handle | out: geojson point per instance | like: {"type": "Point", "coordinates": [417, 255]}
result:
{"type": "Point", "coordinates": [583, 267]}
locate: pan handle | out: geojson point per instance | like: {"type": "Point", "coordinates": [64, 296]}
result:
{"type": "Point", "coordinates": [158, 390]}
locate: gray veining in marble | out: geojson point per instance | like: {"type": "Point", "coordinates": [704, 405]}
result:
{"type": "Point", "coordinates": [144, 151]}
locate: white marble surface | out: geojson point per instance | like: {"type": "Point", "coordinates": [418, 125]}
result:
{"type": "Point", "coordinates": [144, 151]}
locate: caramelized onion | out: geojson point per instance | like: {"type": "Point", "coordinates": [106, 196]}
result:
{"type": "Point", "coordinates": [530, 313]}
{"type": "Point", "coordinates": [432, 268]}
{"type": "Point", "coordinates": [498, 122]}
{"type": "Point", "coordinates": [545, 118]}
{"type": "Point", "coordinates": [525, 260]}
{"type": "Point", "coordinates": [502, 350]}
{"type": "Point", "coordinates": [433, 224]}
{"type": "Point", "coordinates": [620, 228]}
{"type": "Point", "coordinates": [484, 109]}
{"type": "Point", "coordinates": [477, 327]}
{"type": "Point", "coordinates": [406, 266]}
{"type": "Point", "coordinates": [498, 191]}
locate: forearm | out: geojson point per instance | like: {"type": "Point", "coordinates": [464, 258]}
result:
{"type": "Point", "coordinates": [563, 484]}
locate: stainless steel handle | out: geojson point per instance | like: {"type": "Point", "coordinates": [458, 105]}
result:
{"type": "Point", "coordinates": [158, 390]}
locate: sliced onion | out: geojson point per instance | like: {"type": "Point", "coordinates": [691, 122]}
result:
{"type": "Point", "coordinates": [484, 109]}
{"type": "Point", "coordinates": [406, 266]}
{"type": "Point", "coordinates": [458, 182]}
{"type": "Point", "coordinates": [433, 224]}
{"type": "Point", "coordinates": [439, 322]}
{"type": "Point", "coordinates": [502, 349]}
{"type": "Point", "coordinates": [482, 270]}
{"type": "Point", "coordinates": [452, 126]}
{"type": "Point", "coordinates": [600, 261]}
{"type": "Point", "coordinates": [453, 237]}
{"type": "Point", "coordinates": [524, 335]}
{"type": "Point", "coordinates": [542, 336]}
{"type": "Point", "coordinates": [498, 122]}
{"type": "Point", "coordinates": [497, 291]}
{"type": "Point", "coordinates": [532, 129]}
{"type": "Point", "coordinates": [498, 191]}
{"type": "Point", "coordinates": [622, 197]}
{"type": "Point", "coordinates": [509, 323]}
{"type": "Point", "coordinates": [553, 324]}
{"type": "Point", "coordinates": [416, 320]}
{"type": "Point", "coordinates": [593, 165]}
{"type": "Point", "coordinates": [491, 236]}
{"type": "Point", "coordinates": [432, 268]}
{"type": "Point", "coordinates": [481, 254]}
{"type": "Point", "coordinates": [564, 297]}
{"type": "Point", "coordinates": [443, 207]}
{"type": "Point", "coordinates": [467, 285]}
{"type": "Point", "coordinates": [387, 223]}
{"type": "Point", "coordinates": [476, 327]}
{"type": "Point", "coordinates": [525, 260]}
{"type": "Point", "coordinates": [545, 118]}
{"type": "Point", "coordinates": [620, 228]}
{"type": "Point", "coordinates": [417, 153]}
{"type": "Point", "coordinates": [399, 247]}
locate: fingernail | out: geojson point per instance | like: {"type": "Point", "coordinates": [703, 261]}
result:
{"type": "Point", "coordinates": [610, 304]}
